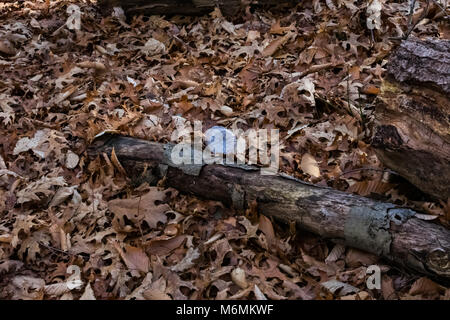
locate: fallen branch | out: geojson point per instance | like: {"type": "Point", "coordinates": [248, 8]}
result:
{"type": "Point", "coordinates": [381, 228]}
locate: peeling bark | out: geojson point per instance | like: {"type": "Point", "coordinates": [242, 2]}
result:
{"type": "Point", "coordinates": [412, 134]}
{"type": "Point", "coordinates": [381, 228]}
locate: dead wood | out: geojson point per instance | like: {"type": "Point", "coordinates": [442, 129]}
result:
{"type": "Point", "coordinates": [381, 228]}
{"type": "Point", "coordinates": [412, 134]}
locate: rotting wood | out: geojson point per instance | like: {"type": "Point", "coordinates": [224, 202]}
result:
{"type": "Point", "coordinates": [412, 134]}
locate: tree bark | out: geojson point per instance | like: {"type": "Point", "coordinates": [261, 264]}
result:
{"type": "Point", "coordinates": [381, 228]}
{"type": "Point", "coordinates": [412, 134]}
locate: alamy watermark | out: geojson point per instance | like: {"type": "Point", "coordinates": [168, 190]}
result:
{"type": "Point", "coordinates": [219, 145]}
{"type": "Point", "coordinates": [374, 279]}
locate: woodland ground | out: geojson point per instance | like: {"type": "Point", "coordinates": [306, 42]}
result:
{"type": "Point", "coordinates": [312, 71]}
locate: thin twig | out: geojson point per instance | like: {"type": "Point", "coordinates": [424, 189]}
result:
{"type": "Point", "coordinates": [411, 11]}
{"type": "Point", "coordinates": [422, 16]}
{"type": "Point", "coordinates": [58, 250]}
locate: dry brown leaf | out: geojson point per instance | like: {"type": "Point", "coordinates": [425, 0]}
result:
{"type": "Point", "coordinates": [42, 186]}
{"type": "Point", "coordinates": [340, 288]}
{"type": "Point", "coordinates": [425, 287]}
{"type": "Point", "coordinates": [115, 161]}
{"type": "Point", "coordinates": [387, 288]}
{"type": "Point", "coordinates": [275, 45]}
{"type": "Point", "coordinates": [258, 293]}
{"type": "Point", "coordinates": [98, 66]}
{"type": "Point", "coordinates": [188, 260]}
{"type": "Point", "coordinates": [7, 47]}
{"type": "Point", "coordinates": [163, 246]}
{"type": "Point", "coordinates": [355, 258]}
{"type": "Point", "coordinates": [148, 208]}
{"type": "Point", "coordinates": [309, 165]}
{"type": "Point", "coordinates": [155, 294]}
{"type": "Point", "coordinates": [265, 225]}
{"type": "Point", "coordinates": [238, 277]}
{"type": "Point", "coordinates": [335, 253]}
{"type": "Point", "coordinates": [134, 258]}
{"type": "Point", "coordinates": [370, 89]}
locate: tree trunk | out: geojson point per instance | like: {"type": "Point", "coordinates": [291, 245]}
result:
{"type": "Point", "coordinates": [377, 227]}
{"type": "Point", "coordinates": [412, 134]}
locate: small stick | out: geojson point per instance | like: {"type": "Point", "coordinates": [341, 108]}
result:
{"type": "Point", "coordinates": [423, 15]}
{"type": "Point", "coordinates": [57, 250]}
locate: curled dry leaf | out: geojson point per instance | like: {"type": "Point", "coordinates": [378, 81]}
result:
{"type": "Point", "coordinates": [226, 110]}
{"type": "Point", "coordinates": [258, 293]}
{"type": "Point", "coordinates": [98, 66]}
{"type": "Point", "coordinates": [116, 162]}
{"type": "Point", "coordinates": [426, 287]}
{"type": "Point", "coordinates": [71, 160]}
{"type": "Point", "coordinates": [275, 45]}
{"type": "Point", "coordinates": [265, 225]}
{"type": "Point", "coordinates": [340, 288]}
{"type": "Point", "coordinates": [57, 289]}
{"type": "Point", "coordinates": [153, 47]}
{"type": "Point", "coordinates": [188, 260]}
{"type": "Point", "coordinates": [335, 253]}
{"type": "Point", "coordinates": [61, 195]}
{"type": "Point", "coordinates": [425, 216]}
{"type": "Point", "coordinates": [370, 89]}
{"type": "Point", "coordinates": [309, 165]}
{"type": "Point", "coordinates": [238, 277]}
{"type": "Point", "coordinates": [171, 230]}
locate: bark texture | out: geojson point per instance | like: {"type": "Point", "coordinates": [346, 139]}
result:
{"type": "Point", "coordinates": [381, 228]}
{"type": "Point", "coordinates": [412, 134]}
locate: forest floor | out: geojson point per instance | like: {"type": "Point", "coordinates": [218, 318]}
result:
{"type": "Point", "coordinates": [312, 71]}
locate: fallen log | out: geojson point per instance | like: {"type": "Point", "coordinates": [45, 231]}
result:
{"type": "Point", "coordinates": [412, 134]}
{"type": "Point", "coordinates": [182, 7]}
{"type": "Point", "coordinates": [381, 228]}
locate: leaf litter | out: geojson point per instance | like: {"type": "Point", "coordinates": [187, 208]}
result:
{"type": "Point", "coordinates": [73, 228]}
